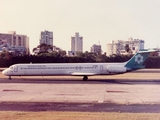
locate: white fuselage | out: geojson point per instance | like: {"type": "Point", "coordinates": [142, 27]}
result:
{"type": "Point", "coordinates": [77, 69]}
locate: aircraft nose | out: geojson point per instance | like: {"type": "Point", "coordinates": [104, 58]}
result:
{"type": "Point", "coordinates": [4, 72]}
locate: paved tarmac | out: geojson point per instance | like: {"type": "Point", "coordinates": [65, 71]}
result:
{"type": "Point", "coordinates": [131, 89]}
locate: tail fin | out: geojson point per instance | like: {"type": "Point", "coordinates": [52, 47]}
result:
{"type": "Point", "coordinates": [136, 62]}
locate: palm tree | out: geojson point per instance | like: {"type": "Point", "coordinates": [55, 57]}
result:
{"type": "Point", "coordinates": [128, 49]}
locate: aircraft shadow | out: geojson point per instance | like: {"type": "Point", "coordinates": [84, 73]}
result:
{"type": "Point", "coordinates": [77, 81]}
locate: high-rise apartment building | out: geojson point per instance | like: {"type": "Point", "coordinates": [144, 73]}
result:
{"type": "Point", "coordinates": [96, 49]}
{"type": "Point", "coordinates": [118, 46]}
{"type": "Point", "coordinates": [46, 37]}
{"type": "Point", "coordinates": [77, 43]}
{"type": "Point", "coordinates": [14, 42]}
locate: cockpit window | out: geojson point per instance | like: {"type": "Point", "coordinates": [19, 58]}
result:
{"type": "Point", "coordinates": [11, 67]}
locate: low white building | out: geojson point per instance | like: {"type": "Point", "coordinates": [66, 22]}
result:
{"type": "Point", "coordinates": [18, 50]}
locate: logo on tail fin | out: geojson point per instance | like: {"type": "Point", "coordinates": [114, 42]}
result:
{"type": "Point", "coordinates": [139, 59]}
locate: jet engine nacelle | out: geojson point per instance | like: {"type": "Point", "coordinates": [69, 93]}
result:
{"type": "Point", "coordinates": [116, 69]}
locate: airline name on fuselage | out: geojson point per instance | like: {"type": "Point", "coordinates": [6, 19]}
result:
{"type": "Point", "coordinates": [36, 66]}
{"type": "Point", "coordinates": [60, 67]}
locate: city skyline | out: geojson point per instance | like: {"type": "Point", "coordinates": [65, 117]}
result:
{"type": "Point", "coordinates": [95, 20]}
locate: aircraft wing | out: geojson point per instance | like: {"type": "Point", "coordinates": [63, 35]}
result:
{"type": "Point", "coordinates": [82, 74]}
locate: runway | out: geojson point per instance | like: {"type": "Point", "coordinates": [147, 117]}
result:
{"type": "Point", "coordinates": [139, 89]}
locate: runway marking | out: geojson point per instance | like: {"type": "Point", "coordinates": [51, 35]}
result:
{"type": "Point", "coordinates": [115, 91]}
{"type": "Point", "coordinates": [7, 90]}
{"type": "Point", "coordinates": [100, 101]}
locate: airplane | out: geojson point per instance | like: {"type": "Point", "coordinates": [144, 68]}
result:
{"type": "Point", "coordinates": [78, 69]}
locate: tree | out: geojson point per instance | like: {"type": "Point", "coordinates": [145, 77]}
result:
{"type": "Point", "coordinates": [48, 50]}
{"type": "Point", "coordinates": [43, 48]}
{"type": "Point", "coordinates": [34, 50]}
{"type": "Point", "coordinates": [102, 58]}
{"type": "Point", "coordinates": [127, 48]}
{"type": "Point", "coordinates": [62, 52]}
{"type": "Point", "coordinates": [91, 57]}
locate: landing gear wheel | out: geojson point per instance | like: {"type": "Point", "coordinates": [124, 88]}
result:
{"type": "Point", "coordinates": [85, 78]}
{"type": "Point", "coordinates": [9, 78]}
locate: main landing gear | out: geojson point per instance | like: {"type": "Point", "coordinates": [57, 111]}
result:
{"type": "Point", "coordinates": [85, 78]}
{"type": "Point", "coordinates": [9, 77]}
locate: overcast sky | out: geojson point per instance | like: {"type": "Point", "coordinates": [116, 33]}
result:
{"type": "Point", "coordinates": [95, 20]}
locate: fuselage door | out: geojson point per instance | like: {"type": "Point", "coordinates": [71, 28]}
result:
{"type": "Point", "coordinates": [101, 68]}
{"type": "Point", "coordinates": [16, 68]}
